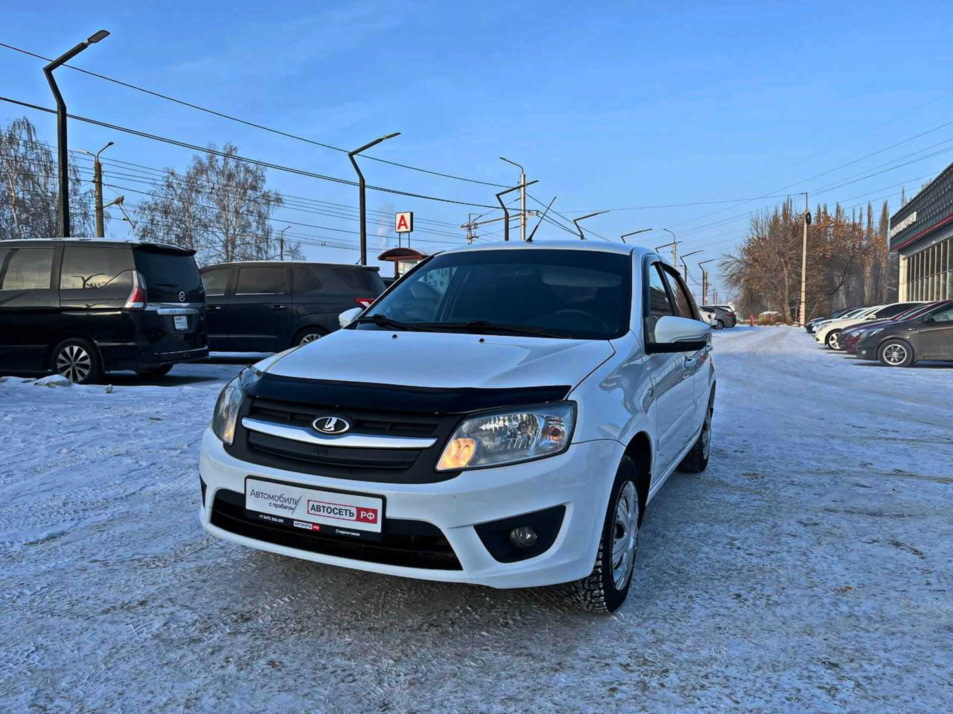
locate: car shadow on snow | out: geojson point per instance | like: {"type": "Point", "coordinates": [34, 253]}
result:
{"type": "Point", "coordinates": [916, 365]}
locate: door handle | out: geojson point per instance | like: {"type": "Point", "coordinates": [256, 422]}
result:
{"type": "Point", "coordinates": [278, 307]}
{"type": "Point", "coordinates": [214, 307]}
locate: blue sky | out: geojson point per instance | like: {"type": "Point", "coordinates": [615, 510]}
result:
{"type": "Point", "coordinates": [610, 105]}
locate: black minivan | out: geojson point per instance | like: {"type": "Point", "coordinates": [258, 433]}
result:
{"type": "Point", "coordinates": [268, 306]}
{"type": "Point", "coordinates": [81, 307]}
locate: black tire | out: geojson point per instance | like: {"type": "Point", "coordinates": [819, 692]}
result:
{"type": "Point", "coordinates": [308, 334]}
{"type": "Point", "coordinates": [154, 372]}
{"type": "Point", "coordinates": [696, 460]}
{"type": "Point", "coordinates": [719, 325]}
{"type": "Point", "coordinates": [896, 353]}
{"type": "Point", "coordinates": [833, 340]}
{"type": "Point", "coordinates": [598, 592]}
{"type": "Point", "coordinates": [77, 360]}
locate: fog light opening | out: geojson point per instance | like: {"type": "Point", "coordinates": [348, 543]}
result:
{"type": "Point", "coordinates": [523, 537]}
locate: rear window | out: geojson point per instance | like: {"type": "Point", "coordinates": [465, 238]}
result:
{"type": "Point", "coordinates": [168, 270]}
{"type": "Point", "coordinates": [108, 271]}
{"type": "Point", "coordinates": [347, 279]}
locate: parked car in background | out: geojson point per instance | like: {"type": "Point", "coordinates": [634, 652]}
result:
{"type": "Point", "coordinates": [852, 335]}
{"type": "Point", "coordinates": [505, 427]}
{"type": "Point", "coordinates": [724, 316]}
{"type": "Point", "coordinates": [81, 307]}
{"type": "Point", "coordinates": [268, 306]}
{"type": "Point", "coordinates": [829, 333]}
{"type": "Point", "coordinates": [811, 324]}
{"type": "Point", "coordinates": [928, 336]}
{"type": "Point", "coordinates": [707, 315]}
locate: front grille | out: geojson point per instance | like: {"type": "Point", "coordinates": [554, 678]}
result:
{"type": "Point", "coordinates": [404, 543]}
{"type": "Point", "coordinates": [364, 464]}
{"type": "Point", "coordinates": [362, 422]}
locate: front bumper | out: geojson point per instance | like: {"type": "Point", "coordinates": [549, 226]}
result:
{"type": "Point", "coordinates": [580, 480]}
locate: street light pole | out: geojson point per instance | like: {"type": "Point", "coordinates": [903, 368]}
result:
{"type": "Point", "coordinates": [362, 186]}
{"type": "Point", "coordinates": [803, 304]}
{"type": "Point", "coordinates": [641, 230]}
{"type": "Point", "coordinates": [674, 247]}
{"type": "Point", "coordinates": [582, 218]}
{"type": "Point", "coordinates": [685, 265]}
{"type": "Point", "coordinates": [281, 243]}
{"type": "Point", "coordinates": [506, 213]}
{"type": "Point", "coordinates": [522, 197]}
{"type": "Point", "coordinates": [61, 138]}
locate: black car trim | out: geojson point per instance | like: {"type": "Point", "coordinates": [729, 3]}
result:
{"type": "Point", "coordinates": [389, 397]}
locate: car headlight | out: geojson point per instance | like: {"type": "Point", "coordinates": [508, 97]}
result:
{"type": "Point", "coordinates": [507, 437]}
{"type": "Point", "coordinates": [225, 416]}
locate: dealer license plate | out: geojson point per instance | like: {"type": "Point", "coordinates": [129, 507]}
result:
{"type": "Point", "coordinates": [181, 322]}
{"type": "Point", "coordinates": [330, 512]}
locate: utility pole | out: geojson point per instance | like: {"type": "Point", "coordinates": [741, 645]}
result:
{"type": "Point", "coordinates": [98, 186]}
{"type": "Point", "coordinates": [704, 280]}
{"type": "Point", "coordinates": [281, 243]}
{"type": "Point", "coordinates": [641, 230]}
{"type": "Point", "coordinates": [803, 305]}
{"type": "Point", "coordinates": [506, 212]}
{"type": "Point", "coordinates": [62, 144]}
{"type": "Point", "coordinates": [522, 197]}
{"type": "Point", "coordinates": [362, 190]}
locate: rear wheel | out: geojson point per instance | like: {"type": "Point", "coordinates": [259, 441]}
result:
{"type": "Point", "coordinates": [719, 325]}
{"type": "Point", "coordinates": [606, 587]}
{"type": "Point", "coordinates": [78, 361]}
{"type": "Point", "coordinates": [308, 334]}
{"type": "Point", "coordinates": [154, 372]}
{"type": "Point", "coordinates": [833, 340]}
{"type": "Point", "coordinates": [895, 353]}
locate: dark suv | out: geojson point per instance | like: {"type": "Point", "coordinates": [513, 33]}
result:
{"type": "Point", "coordinates": [269, 306]}
{"type": "Point", "coordinates": [82, 307]}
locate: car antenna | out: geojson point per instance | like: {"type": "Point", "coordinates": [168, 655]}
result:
{"type": "Point", "coordinates": [530, 239]}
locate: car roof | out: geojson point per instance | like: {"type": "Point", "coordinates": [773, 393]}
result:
{"type": "Point", "coordinates": [100, 242]}
{"type": "Point", "coordinates": [291, 263]}
{"type": "Point", "coordinates": [577, 245]}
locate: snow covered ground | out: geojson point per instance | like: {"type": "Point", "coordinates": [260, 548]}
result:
{"type": "Point", "coordinates": [810, 569]}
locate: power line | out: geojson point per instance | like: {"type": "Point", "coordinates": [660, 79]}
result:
{"type": "Point", "coordinates": [252, 124]}
{"type": "Point", "coordinates": [256, 162]}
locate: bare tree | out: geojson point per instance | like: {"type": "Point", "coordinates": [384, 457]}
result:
{"type": "Point", "coordinates": [219, 206]}
{"type": "Point", "coordinates": [28, 187]}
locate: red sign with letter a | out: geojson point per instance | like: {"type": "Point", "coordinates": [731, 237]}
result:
{"type": "Point", "coordinates": [404, 222]}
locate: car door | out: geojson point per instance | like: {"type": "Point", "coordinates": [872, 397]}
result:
{"type": "Point", "coordinates": [216, 281]}
{"type": "Point", "coordinates": [936, 336]}
{"type": "Point", "coordinates": [258, 313]}
{"type": "Point", "coordinates": [696, 364]}
{"type": "Point", "coordinates": [29, 306]}
{"type": "Point", "coordinates": [674, 392]}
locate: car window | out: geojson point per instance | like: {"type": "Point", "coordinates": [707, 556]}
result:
{"type": "Point", "coordinates": [26, 268]}
{"type": "Point", "coordinates": [108, 271]}
{"type": "Point", "coordinates": [563, 293]}
{"type": "Point", "coordinates": [683, 301]}
{"type": "Point", "coordinates": [166, 269]}
{"type": "Point", "coordinates": [216, 281]}
{"type": "Point", "coordinates": [659, 303]}
{"type": "Point", "coordinates": [944, 315]}
{"type": "Point", "coordinates": [304, 280]}
{"type": "Point", "coordinates": [261, 281]}
{"type": "Point", "coordinates": [350, 279]}
{"type": "Point", "coordinates": [892, 310]}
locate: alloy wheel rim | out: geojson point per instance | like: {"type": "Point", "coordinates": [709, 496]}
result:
{"type": "Point", "coordinates": [625, 534]}
{"type": "Point", "coordinates": [74, 363]}
{"type": "Point", "coordinates": [835, 341]}
{"type": "Point", "coordinates": [310, 337]}
{"type": "Point", "coordinates": [895, 354]}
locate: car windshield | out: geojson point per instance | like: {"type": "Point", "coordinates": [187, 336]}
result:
{"type": "Point", "coordinates": [535, 292]}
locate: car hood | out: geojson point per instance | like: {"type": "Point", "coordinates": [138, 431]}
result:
{"type": "Point", "coordinates": [442, 360]}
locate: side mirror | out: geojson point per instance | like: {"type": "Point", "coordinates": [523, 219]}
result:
{"type": "Point", "coordinates": [679, 334]}
{"type": "Point", "coordinates": [349, 316]}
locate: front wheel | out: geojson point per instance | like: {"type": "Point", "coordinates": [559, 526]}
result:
{"type": "Point", "coordinates": [833, 340]}
{"type": "Point", "coordinates": [895, 353]}
{"type": "Point", "coordinates": [606, 587]}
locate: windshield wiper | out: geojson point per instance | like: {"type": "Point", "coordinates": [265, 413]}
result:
{"type": "Point", "coordinates": [384, 321]}
{"type": "Point", "coordinates": [485, 327]}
